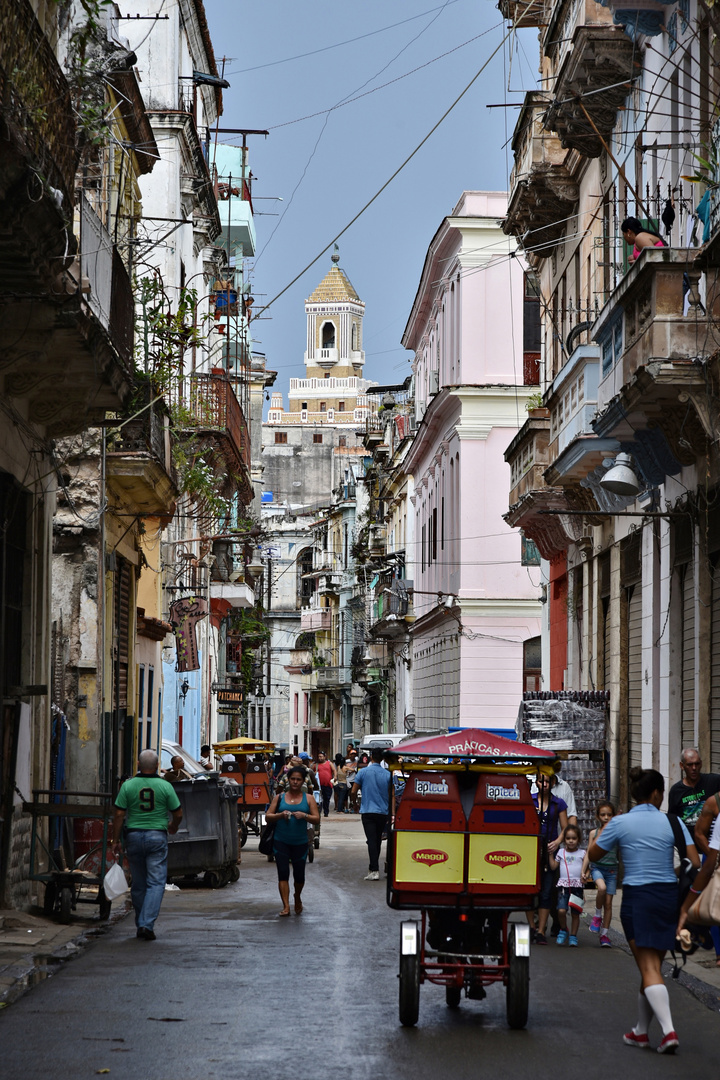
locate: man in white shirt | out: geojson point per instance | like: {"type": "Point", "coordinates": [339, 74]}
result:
{"type": "Point", "coordinates": [562, 790]}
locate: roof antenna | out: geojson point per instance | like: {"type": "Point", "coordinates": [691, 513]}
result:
{"type": "Point", "coordinates": [335, 257]}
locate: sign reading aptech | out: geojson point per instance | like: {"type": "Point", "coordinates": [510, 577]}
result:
{"type": "Point", "coordinates": [503, 858]}
{"type": "Point", "coordinates": [430, 856]}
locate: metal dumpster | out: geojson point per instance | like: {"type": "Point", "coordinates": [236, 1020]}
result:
{"type": "Point", "coordinates": [207, 840]}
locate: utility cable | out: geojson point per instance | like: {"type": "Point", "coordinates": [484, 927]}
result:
{"type": "Point", "coordinates": [390, 179]}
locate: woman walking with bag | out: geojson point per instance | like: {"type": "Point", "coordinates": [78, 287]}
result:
{"type": "Point", "coordinates": [645, 840]}
{"type": "Point", "coordinates": [291, 811]}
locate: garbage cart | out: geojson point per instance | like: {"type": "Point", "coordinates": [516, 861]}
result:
{"type": "Point", "coordinates": [207, 841]}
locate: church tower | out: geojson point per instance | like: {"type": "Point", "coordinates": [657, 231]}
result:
{"type": "Point", "coordinates": [334, 327]}
{"type": "Point", "coordinates": [333, 391]}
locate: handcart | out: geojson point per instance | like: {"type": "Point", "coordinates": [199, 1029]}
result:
{"type": "Point", "coordinates": [252, 777]}
{"type": "Point", "coordinates": [465, 850]}
{"type": "Point", "coordinates": [67, 882]}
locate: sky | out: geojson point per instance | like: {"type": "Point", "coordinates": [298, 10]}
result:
{"type": "Point", "coordinates": [327, 167]}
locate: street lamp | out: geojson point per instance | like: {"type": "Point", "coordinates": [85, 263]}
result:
{"type": "Point", "coordinates": [621, 479]}
{"type": "Point", "coordinates": [184, 687]}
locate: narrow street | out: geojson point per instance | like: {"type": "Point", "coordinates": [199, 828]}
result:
{"type": "Point", "coordinates": [229, 989]}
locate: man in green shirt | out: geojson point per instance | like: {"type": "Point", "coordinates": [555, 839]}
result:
{"type": "Point", "coordinates": [143, 805]}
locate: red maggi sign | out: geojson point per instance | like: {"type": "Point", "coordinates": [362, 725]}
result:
{"type": "Point", "coordinates": [429, 855]}
{"type": "Point", "coordinates": [503, 858]}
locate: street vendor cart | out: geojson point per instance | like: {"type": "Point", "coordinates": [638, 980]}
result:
{"type": "Point", "coordinates": [465, 850]}
{"type": "Point", "coordinates": [238, 761]}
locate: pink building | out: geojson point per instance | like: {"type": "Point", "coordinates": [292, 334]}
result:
{"type": "Point", "coordinates": [474, 329]}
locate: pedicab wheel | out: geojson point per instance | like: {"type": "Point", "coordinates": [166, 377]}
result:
{"type": "Point", "coordinates": [518, 988]}
{"type": "Point", "coordinates": [311, 852]}
{"type": "Point", "coordinates": [66, 899]}
{"type": "Point", "coordinates": [105, 905]}
{"type": "Point", "coordinates": [234, 872]}
{"type": "Point", "coordinates": [49, 899]}
{"type": "Point", "coordinates": [212, 879]}
{"type": "Point", "coordinates": [243, 833]}
{"type": "Point", "coordinates": [409, 980]}
{"type": "Point", "coordinates": [453, 995]}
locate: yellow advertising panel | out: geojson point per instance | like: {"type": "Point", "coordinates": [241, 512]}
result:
{"type": "Point", "coordinates": [429, 858]}
{"type": "Point", "coordinates": [502, 860]}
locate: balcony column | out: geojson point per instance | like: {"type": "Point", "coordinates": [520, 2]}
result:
{"type": "Point", "coordinates": [618, 740]}
{"type": "Point", "coordinates": [650, 655]}
{"type": "Point", "coordinates": [670, 661]}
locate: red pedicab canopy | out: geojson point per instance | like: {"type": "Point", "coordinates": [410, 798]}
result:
{"type": "Point", "coordinates": [473, 743]}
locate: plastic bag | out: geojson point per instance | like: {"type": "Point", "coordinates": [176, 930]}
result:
{"type": "Point", "coordinates": [115, 882]}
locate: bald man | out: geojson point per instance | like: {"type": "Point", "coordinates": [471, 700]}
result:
{"type": "Point", "coordinates": [143, 806]}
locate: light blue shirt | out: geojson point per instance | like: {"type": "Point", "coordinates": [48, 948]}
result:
{"type": "Point", "coordinates": [645, 840]}
{"type": "Point", "coordinates": [374, 782]}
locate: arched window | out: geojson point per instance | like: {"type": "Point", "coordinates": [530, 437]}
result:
{"type": "Point", "coordinates": [328, 335]}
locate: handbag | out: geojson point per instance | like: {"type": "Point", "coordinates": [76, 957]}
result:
{"type": "Point", "coordinates": [267, 836]}
{"type": "Point", "coordinates": [686, 872]}
{"type": "Point", "coordinates": [706, 909]}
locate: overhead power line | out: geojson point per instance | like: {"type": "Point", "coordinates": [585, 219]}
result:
{"type": "Point", "coordinates": [390, 179]}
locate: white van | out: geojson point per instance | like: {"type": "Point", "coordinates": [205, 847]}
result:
{"type": "Point", "coordinates": [382, 742]}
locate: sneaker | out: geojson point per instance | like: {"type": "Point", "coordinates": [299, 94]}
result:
{"type": "Point", "coordinates": [540, 939]}
{"type": "Point", "coordinates": [573, 941]}
{"type": "Point", "coordinates": [595, 924]}
{"type": "Point", "coordinates": [374, 875]}
{"type": "Point", "coordinates": [641, 1041]}
{"type": "Point", "coordinates": [669, 1044]}
{"type": "Point", "coordinates": [605, 942]}
{"type": "Point", "coordinates": [562, 937]}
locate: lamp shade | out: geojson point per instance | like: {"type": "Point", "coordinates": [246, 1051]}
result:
{"type": "Point", "coordinates": [621, 479]}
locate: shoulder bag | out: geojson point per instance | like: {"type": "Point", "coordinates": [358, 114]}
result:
{"type": "Point", "coordinates": [686, 872]}
{"type": "Point", "coordinates": [267, 836]}
{"type": "Point", "coordinates": [706, 909]}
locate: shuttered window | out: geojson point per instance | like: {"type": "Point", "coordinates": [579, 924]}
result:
{"type": "Point", "coordinates": [634, 673]}
{"type": "Point", "coordinates": [122, 629]}
{"type": "Point", "coordinates": [688, 656]}
{"type": "Point", "coordinates": [606, 643]}
{"type": "Point", "coordinates": [715, 670]}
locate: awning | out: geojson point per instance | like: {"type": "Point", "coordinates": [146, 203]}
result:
{"type": "Point", "coordinates": [472, 743]}
{"type": "Point", "coordinates": [244, 746]}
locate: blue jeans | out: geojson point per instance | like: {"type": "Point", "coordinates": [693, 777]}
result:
{"type": "Point", "coordinates": [147, 852]}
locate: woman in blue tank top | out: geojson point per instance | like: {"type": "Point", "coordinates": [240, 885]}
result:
{"type": "Point", "coordinates": [291, 811]}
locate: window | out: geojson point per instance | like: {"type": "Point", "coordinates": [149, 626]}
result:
{"type": "Point", "coordinates": [529, 554]}
{"type": "Point", "coordinates": [280, 437]}
{"type": "Point", "coordinates": [342, 441]}
{"type": "Point", "coordinates": [341, 406]}
{"type": "Point", "coordinates": [434, 528]}
{"type": "Point", "coordinates": [317, 437]}
{"type": "Point", "coordinates": [327, 374]}
{"type": "Point", "coordinates": [303, 404]}
{"type": "Point", "coordinates": [328, 335]}
{"type": "Point", "coordinates": [323, 406]}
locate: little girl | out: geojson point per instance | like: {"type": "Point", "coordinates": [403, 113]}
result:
{"type": "Point", "coordinates": [570, 860]}
{"type": "Point", "coordinates": [604, 874]}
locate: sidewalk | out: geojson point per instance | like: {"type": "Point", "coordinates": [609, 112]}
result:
{"type": "Point", "coordinates": [33, 947]}
{"type": "Point", "coordinates": [699, 968]}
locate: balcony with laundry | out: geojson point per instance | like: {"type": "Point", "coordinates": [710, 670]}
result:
{"type": "Point", "coordinates": [656, 339]}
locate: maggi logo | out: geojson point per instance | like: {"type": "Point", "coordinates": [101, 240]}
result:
{"type": "Point", "coordinates": [429, 855]}
{"type": "Point", "coordinates": [503, 858]}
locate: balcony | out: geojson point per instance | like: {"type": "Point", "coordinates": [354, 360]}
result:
{"type": "Point", "coordinates": [314, 619]}
{"type": "Point", "coordinates": [527, 456]}
{"type": "Point", "coordinates": [524, 13]}
{"type": "Point", "coordinates": [109, 292]}
{"type": "Point", "coordinates": [392, 610]}
{"type": "Point", "coordinates": [592, 84]}
{"type": "Point", "coordinates": [572, 401]}
{"type": "Point", "coordinates": [653, 332]}
{"type": "Point", "coordinates": [543, 193]}
{"type": "Point", "coordinates": [329, 584]}
{"type": "Point", "coordinates": [139, 466]}
{"type": "Point", "coordinates": [326, 358]}
{"type": "Point", "coordinates": [234, 201]}
{"type": "Point", "coordinates": [211, 410]}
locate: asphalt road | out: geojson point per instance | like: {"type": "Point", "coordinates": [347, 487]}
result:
{"type": "Point", "coordinates": [229, 990]}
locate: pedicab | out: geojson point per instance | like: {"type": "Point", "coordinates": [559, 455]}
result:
{"type": "Point", "coordinates": [252, 776]}
{"type": "Point", "coordinates": [465, 850]}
